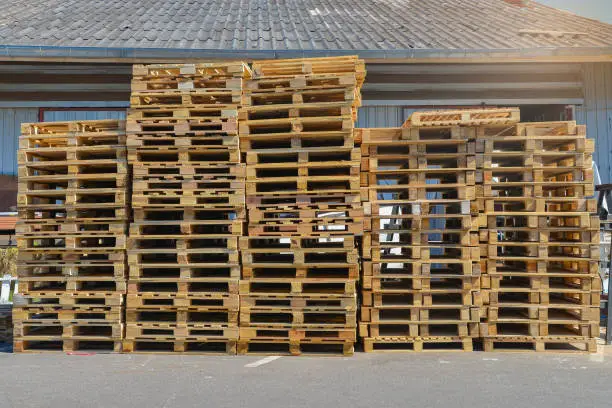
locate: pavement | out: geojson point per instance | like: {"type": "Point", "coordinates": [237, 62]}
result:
{"type": "Point", "coordinates": [383, 380]}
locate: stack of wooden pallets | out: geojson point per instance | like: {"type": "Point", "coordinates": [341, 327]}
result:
{"type": "Point", "coordinates": [421, 273]}
{"type": "Point", "coordinates": [449, 182]}
{"type": "Point", "coordinates": [539, 236]}
{"type": "Point", "coordinates": [188, 206]}
{"type": "Point", "coordinates": [71, 236]}
{"type": "Point", "coordinates": [300, 262]}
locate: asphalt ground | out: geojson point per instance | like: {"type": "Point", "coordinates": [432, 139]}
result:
{"type": "Point", "coordinates": [404, 380]}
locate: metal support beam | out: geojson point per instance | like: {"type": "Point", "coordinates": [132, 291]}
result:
{"type": "Point", "coordinates": [471, 102]}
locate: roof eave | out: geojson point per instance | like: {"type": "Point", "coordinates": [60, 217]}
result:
{"type": "Point", "coordinates": [131, 55]}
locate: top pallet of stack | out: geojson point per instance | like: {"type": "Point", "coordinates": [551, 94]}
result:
{"type": "Point", "coordinates": [188, 84]}
{"type": "Point", "coordinates": [464, 117]}
{"type": "Point", "coordinates": [350, 64]}
{"type": "Point", "coordinates": [72, 134]}
{"type": "Point", "coordinates": [231, 69]}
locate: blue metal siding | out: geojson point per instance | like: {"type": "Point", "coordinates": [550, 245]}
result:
{"type": "Point", "coordinates": [64, 115]}
{"type": "Point", "coordinates": [596, 114]}
{"type": "Point", "coordinates": [379, 116]}
{"type": "Point", "coordinates": [10, 128]}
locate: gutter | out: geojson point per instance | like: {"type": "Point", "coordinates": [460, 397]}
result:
{"type": "Point", "coordinates": [59, 53]}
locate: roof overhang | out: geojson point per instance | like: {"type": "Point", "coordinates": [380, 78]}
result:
{"type": "Point", "coordinates": [138, 55]}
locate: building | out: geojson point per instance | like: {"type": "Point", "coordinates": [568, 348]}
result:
{"type": "Point", "coordinates": [66, 60]}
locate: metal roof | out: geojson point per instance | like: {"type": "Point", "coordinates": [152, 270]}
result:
{"type": "Point", "coordinates": [389, 26]}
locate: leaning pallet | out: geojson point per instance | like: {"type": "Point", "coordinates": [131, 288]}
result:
{"type": "Point", "coordinates": [540, 237]}
{"type": "Point", "coordinates": [71, 236]}
{"type": "Point", "coordinates": [421, 272]}
{"type": "Point", "coordinates": [188, 208]}
{"type": "Point", "coordinates": [298, 293]}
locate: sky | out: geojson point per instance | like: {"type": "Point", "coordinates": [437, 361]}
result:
{"type": "Point", "coordinates": [597, 9]}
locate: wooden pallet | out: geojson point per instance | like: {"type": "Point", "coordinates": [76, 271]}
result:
{"type": "Point", "coordinates": [49, 331]}
{"type": "Point", "coordinates": [420, 329]}
{"type": "Point", "coordinates": [183, 155]}
{"type": "Point", "coordinates": [550, 344]}
{"type": "Point", "coordinates": [262, 317]}
{"type": "Point", "coordinates": [439, 314]}
{"type": "Point", "coordinates": [526, 296]}
{"type": "Point", "coordinates": [273, 334]}
{"type": "Point", "coordinates": [465, 117]}
{"type": "Point", "coordinates": [201, 346]}
{"type": "Point", "coordinates": [172, 170]}
{"type": "Point", "coordinates": [182, 267]}
{"type": "Point", "coordinates": [303, 287]}
{"type": "Point", "coordinates": [67, 314]}
{"type": "Point", "coordinates": [183, 316]}
{"type": "Point", "coordinates": [69, 299]}
{"type": "Point", "coordinates": [217, 228]}
{"type": "Point", "coordinates": [161, 300]}
{"type": "Point", "coordinates": [301, 82]}
{"type": "Point", "coordinates": [320, 257]}
{"type": "Point", "coordinates": [374, 138]}
{"type": "Point", "coordinates": [72, 134]}
{"type": "Point", "coordinates": [411, 344]}
{"type": "Point", "coordinates": [307, 66]}
{"type": "Point", "coordinates": [289, 271]}
{"type": "Point", "coordinates": [172, 112]}
{"type": "Point", "coordinates": [187, 287]}
{"type": "Point", "coordinates": [201, 96]}
{"type": "Point", "coordinates": [79, 213]}
{"type": "Point", "coordinates": [431, 268]}
{"type": "Point", "coordinates": [69, 227]}
{"type": "Point", "coordinates": [307, 302]}
{"type": "Point", "coordinates": [217, 69]}
{"type": "Point", "coordinates": [431, 283]}
{"type": "Point", "coordinates": [38, 285]}
{"type": "Point", "coordinates": [172, 331]}
{"type": "Point", "coordinates": [93, 345]}
{"type": "Point", "coordinates": [307, 346]}
{"type": "Point", "coordinates": [422, 298]}
{"type": "Point", "coordinates": [72, 242]}
{"type": "Point", "coordinates": [50, 268]}
{"type": "Point", "coordinates": [183, 82]}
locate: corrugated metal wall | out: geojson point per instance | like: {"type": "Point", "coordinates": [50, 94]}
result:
{"type": "Point", "coordinates": [62, 115]}
{"type": "Point", "coordinates": [10, 128]}
{"type": "Point", "coordinates": [380, 116]}
{"type": "Point", "coordinates": [596, 113]}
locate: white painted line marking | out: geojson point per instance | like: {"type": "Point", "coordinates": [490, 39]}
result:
{"type": "Point", "coordinates": [263, 361]}
{"type": "Point", "coordinates": [489, 359]}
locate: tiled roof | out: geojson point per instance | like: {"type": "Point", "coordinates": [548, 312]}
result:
{"type": "Point", "coordinates": [297, 24]}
